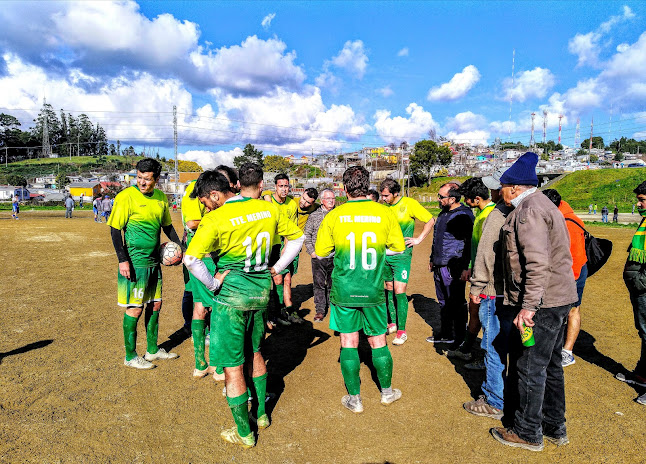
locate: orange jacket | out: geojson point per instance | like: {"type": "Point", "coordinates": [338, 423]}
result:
{"type": "Point", "coordinates": [577, 238]}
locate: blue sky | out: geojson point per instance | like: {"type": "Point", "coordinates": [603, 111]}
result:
{"type": "Point", "coordinates": [302, 77]}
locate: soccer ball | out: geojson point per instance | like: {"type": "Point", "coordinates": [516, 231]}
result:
{"type": "Point", "coordinates": [170, 254]}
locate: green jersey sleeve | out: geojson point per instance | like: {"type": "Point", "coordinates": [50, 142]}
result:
{"type": "Point", "coordinates": [121, 211]}
{"type": "Point", "coordinates": [418, 212]}
{"type": "Point", "coordinates": [206, 238]}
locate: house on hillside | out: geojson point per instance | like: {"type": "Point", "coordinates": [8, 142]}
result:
{"type": "Point", "coordinates": [8, 192]}
{"type": "Point", "coordinates": [87, 189]}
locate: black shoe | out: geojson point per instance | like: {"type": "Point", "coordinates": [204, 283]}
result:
{"type": "Point", "coordinates": [294, 318]}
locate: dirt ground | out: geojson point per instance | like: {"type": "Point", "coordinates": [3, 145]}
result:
{"type": "Point", "coordinates": [65, 395]}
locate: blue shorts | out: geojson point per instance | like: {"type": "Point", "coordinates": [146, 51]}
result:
{"type": "Point", "coordinates": [580, 283]}
{"type": "Point", "coordinates": [96, 211]}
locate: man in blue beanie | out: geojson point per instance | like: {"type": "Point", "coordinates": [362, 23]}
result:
{"type": "Point", "coordinates": [540, 290]}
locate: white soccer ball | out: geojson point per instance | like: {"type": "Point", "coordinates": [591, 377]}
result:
{"type": "Point", "coordinates": [170, 254]}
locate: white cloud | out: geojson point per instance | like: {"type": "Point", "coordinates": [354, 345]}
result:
{"type": "Point", "coordinates": [587, 47]}
{"type": "Point", "coordinates": [210, 160]}
{"type": "Point", "coordinates": [622, 47]}
{"type": "Point", "coordinates": [475, 137]}
{"type": "Point", "coordinates": [385, 91]}
{"type": "Point", "coordinates": [266, 21]}
{"type": "Point", "coordinates": [457, 87]}
{"type": "Point", "coordinates": [529, 84]}
{"type": "Point", "coordinates": [399, 128]}
{"type": "Point", "coordinates": [352, 58]}
{"type": "Point", "coordinates": [403, 52]}
{"type": "Point", "coordinates": [327, 80]}
{"type": "Point", "coordinates": [502, 128]}
{"type": "Point", "coordinates": [466, 121]}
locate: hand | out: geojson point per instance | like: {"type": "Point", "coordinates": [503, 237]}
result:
{"type": "Point", "coordinates": [273, 272]}
{"type": "Point", "coordinates": [430, 266]}
{"type": "Point", "coordinates": [124, 269]}
{"type": "Point", "coordinates": [475, 299]}
{"type": "Point", "coordinates": [412, 241]}
{"type": "Point", "coordinates": [313, 255]}
{"type": "Point", "coordinates": [220, 276]}
{"type": "Point", "coordinates": [466, 275]}
{"type": "Point", "coordinates": [525, 317]}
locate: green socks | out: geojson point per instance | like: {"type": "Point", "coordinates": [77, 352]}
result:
{"type": "Point", "coordinates": [383, 362]}
{"type": "Point", "coordinates": [219, 370]}
{"type": "Point", "coordinates": [240, 412]}
{"type": "Point", "coordinates": [130, 336]}
{"type": "Point", "coordinates": [280, 295]}
{"type": "Point", "coordinates": [199, 344]}
{"type": "Point", "coordinates": [350, 369]}
{"type": "Point", "coordinates": [390, 303]}
{"type": "Point", "coordinates": [260, 385]}
{"type": "Point", "coordinates": [402, 310]}
{"type": "Point", "coordinates": [152, 327]}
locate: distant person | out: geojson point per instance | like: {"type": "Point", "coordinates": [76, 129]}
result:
{"type": "Point", "coordinates": [373, 195]}
{"type": "Point", "coordinates": [449, 263]}
{"type": "Point", "coordinates": [81, 200]}
{"type": "Point", "coordinates": [615, 215]}
{"type": "Point", "coordinates": [96, 209]}
{"type": "Point", "coordinates": [106, 208]}
{"type": "Point", "coordinates": [69, 206]}
{"type": "Point", "coordinates": [15, 207]}
{"type": "Point", "coordinates": [590, 209]}
{"type": "Point", "coordinates": [595, 208]}
{"type": "Point", "coordinates": [604, 214]}
{"type": "Point", "coordinates": [321, 268]}
{"type": "Point", "coordinates": [576, 231]}
{"type": "Point", "coordinates": [635, 279]}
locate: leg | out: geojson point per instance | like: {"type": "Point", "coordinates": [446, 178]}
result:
{"type": "Point", "coordinates": [493, 385]}
{"type": "Point", "coordinates": [187, 309]}
{"type": "Point", "coordinates": [390, 302]}
{"type": "Point", "coordinates": [457, 305]}
{"type": "Point", "coordinates": [237, 398]}
{"type": "Point", "coordinates": [350, 362]}
{"type": "Point", "coordinates": [319, 286]}
{"type": "Point", "coordinates": [130, 318]}
{"type": "Point", "coordinates": [639, 312]}
{"type": "Point", "coordinates": [401, 302]}
{"type": "Point", "coordinates": [442, 279]}
{"type": "Point", "coordinates": [573, 328]}
{"type": "Point", "coordinates": [287, 291]}
{"type": "Point", "coordinates": [199, 340]}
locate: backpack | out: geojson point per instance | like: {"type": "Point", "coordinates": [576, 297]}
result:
{"type": "Point", "coordinates": [597, 250]}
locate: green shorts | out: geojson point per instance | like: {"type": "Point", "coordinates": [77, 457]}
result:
{"type": "Point", "coordinates": [235, 334]}
{"type": "Point", "coordinates": [201, 294]}
{"type": "Point", "coordinates": [292, 268]}
{"type": "Point", "coordinates": [144, 286]}
{"type": "Point", "coordinates": [398, 268]}
{"type": "Point", "coordinates": [373, 320]}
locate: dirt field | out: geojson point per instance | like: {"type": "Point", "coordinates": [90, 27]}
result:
{"type": "Point", "coordinates": [66, 396]}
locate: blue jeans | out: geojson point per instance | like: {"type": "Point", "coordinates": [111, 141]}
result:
{"type": "Point", "coordinates": [535, 392]}
{"type": "Point", "coordinates": [496, 326]}
{"type": "Point", "coordinates": [604, 218]}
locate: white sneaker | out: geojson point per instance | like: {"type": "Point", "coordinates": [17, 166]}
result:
{"type": "Point", "coordinates": [161, 354]}
{"type": "Point", "coordinates": [138, 363]}
{"type": "Point", "coordinates": [198, 374]}
{"type": "Point", "coordinates": [392, 328]}
{"type": "Point", "coordinates": [354, 404]}
{"type": "Point", "coordinates": [400, 340]}
{"type": "Point", "coordinates": [387, 398]}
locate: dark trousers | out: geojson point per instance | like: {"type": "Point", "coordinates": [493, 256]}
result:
{"type": "Point", "coordinates": [535, 390]}
{"type": "Point", "coordinates": [449, 290]}
{"type": "Point", "coordinates": [639, 311]}
{"type": "Point", "coordinates": [322, 278]}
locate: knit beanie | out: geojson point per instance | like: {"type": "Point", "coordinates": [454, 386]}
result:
{"type": "Point", "coordinates": [522, 172]}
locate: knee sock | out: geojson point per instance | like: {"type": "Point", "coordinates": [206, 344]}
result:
{"type": "Point", "coordinates": [219, 370]}
{"type": "Point", "coordinates": [280, 295]}
{"type": "Point", "coordinates": [260, 385]}
{"type": "Point", "coordinates": [383, 362]}
{"type": "Point", "coordinates": [152, 327]}
{"type": "Point", "coordinates": [199, 344]}
{"type": "Point", "coordinates": [402, 310]}
{"type": "Point", "coordinates": [240, 412]}
{"type": "Point", "coordinates": [390, 303]}
{"type": "Point", "coordinates": [350, 369]}
{"type": "Point", "coordinates": [130, 336]}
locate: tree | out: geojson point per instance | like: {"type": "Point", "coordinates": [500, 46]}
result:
{"type": "Point", "coordinates": [48, 114]}
{"type": "Point", "coordinates": [62, 180]}
{"type": "Point", "coordinates": [15, 180]}
{"type": "Point", "coordinates": [619, 157]}
{"type": "Point", "coordinates": [276, 163]}
{"type": "Point", "coordinates": [545, 157]}
{"type": "Point", "coordinates": [340, 158]}
{"type": "Point", "coordinates": [427, 156]}
{"type": "Point", "coordinates": [250, 155]}
{"type": "Point", "coordinates": [594, 158]}
{"type": "Point", "coordinates": [597, 142]}
{"type": "Point", "coordinates": [113, 150]}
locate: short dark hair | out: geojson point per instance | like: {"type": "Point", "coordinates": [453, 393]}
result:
{"type": "Point", "coordinates": [374, 194]}
{"type": "Point", "coordinates": [312, 193]}
{"type": "Point", "coordinates": [454, 189]}
{"type": "Point", "coordinates": [640, 189]}
{"type": "Point", "coordinates": [474, 187]}
{"type": "Point", "coordinates": [280, 177]}
{"type": "Point", "coordinates": [553, 195]}
{"type": "Point", "coordinates": [356, 180]}
{"type": "Point", "coordinates": [391, 184]}
{"type": "Point", "coordinates": [150, 165]}
{"type": "Point", "coordinates": [208, 181]}
{"type": "Point", "coordinates": [229, 173]}
{"type": "Point", "coordinates": [250, 175]}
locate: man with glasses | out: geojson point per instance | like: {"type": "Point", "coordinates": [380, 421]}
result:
{"type": "Point", "coordinates": [449, 262]}
{"type": "Point", "coordinates": [321, 268]}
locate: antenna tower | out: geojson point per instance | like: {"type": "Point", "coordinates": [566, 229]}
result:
{"type": "Point", "coordinates": [544, 126]}
{"type": "Point", "coordinates": [47, 149]}
{"type": "Point", "coordinates": [577, 134]}
{"type": "Point", "coordinates": [560, 117]}
{"type": "Point", "coordinates": [532, 142]}
{"type": "Point", "coordinates": [591, 127]}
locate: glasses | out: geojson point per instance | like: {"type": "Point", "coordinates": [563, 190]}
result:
{"type": "Point", "coordinates": [442, 197]}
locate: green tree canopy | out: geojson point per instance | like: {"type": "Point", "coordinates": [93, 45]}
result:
{"type": "Point", "coordinates": [597, 142]}
{"type": "Point", "coordinates": [276, 163]}
{"type": "Point", "coordinates": [15, 180]}
{"type": "Point", "coordinates": [427, 156]}
{"type": "Point", "coordinates": [250, 155]}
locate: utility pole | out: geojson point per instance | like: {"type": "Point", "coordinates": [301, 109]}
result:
{"type": "Point", "coordinates": [590, 147]}
{"type": "Point", "coordinates": [544, 126]}
{"type": "Point", "coordinates": [560, 117]}
{"type": "Point", "coordinates": [175, 143]}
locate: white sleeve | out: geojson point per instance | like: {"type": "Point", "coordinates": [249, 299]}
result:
{"type": "Point", "coordinates": [201, 272]}
{"type": "Point", "coordinates": [292, 249]}
{"type": "Point", "coordinates": [389, 252]}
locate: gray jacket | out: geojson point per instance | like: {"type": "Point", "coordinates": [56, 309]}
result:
{"type": "Point", "coordinates": [537, 262]}
{"type": "Point", "coordinates": [312, 227]}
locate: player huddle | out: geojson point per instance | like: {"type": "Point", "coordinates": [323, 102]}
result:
{"type": "Point", "coordinates": [241, 252]}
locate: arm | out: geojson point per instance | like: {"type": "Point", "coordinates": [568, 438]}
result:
{"type": "Point", "coordinates": [310, 230]}
{"type": "Point", "coordinates": [428, 227]}
{"type": "Point", "coordinates": [201, 273]}
{"type": "Point", "coordinates": [292, 248]}
{"type": "Point", "coordinates": [122, 255]}
{"type": "Point", "coordinates": [169, 230]}
{"type": "Point", "coordinates": [483, 267]}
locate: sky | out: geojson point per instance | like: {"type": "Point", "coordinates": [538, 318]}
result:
{"type": "Point", "coordinates": [327, 77]}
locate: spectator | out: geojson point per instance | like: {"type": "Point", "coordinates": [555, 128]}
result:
{"type": "Point", "coordinates": [604, 214]}
{"type": "Point", "coordinates": [96, 209]}
{"type": "Point", "coordinates": [540, 287]}
{"type": "Point", "coordinates": [69, 206]}
{"type": "Point", "coordinates": [81, 200]}
{"type": "Point", "coordinates": [590, 209]}
{"type": "Point", "coordinates": [635, 279]}
{"type": "Point", "coordinates": [15, 207]}
{"type": "Point", "coordinates": [106, 207]}
{"type": "Point", "coordinates": [449, 262]}
{"type": "Point", "coordinates": [576, 230]}
{"type": "Point", "coordinates": [615, 214]}
{"type": "Point", "coordinates": [321, 267]}
{"type": "Point", "coordinates": [595, 208]}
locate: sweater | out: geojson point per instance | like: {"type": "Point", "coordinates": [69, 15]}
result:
{"type": "Point", "coordinates": [577, 238]}
{"type": "Point", "coordinates": [452, 238]}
